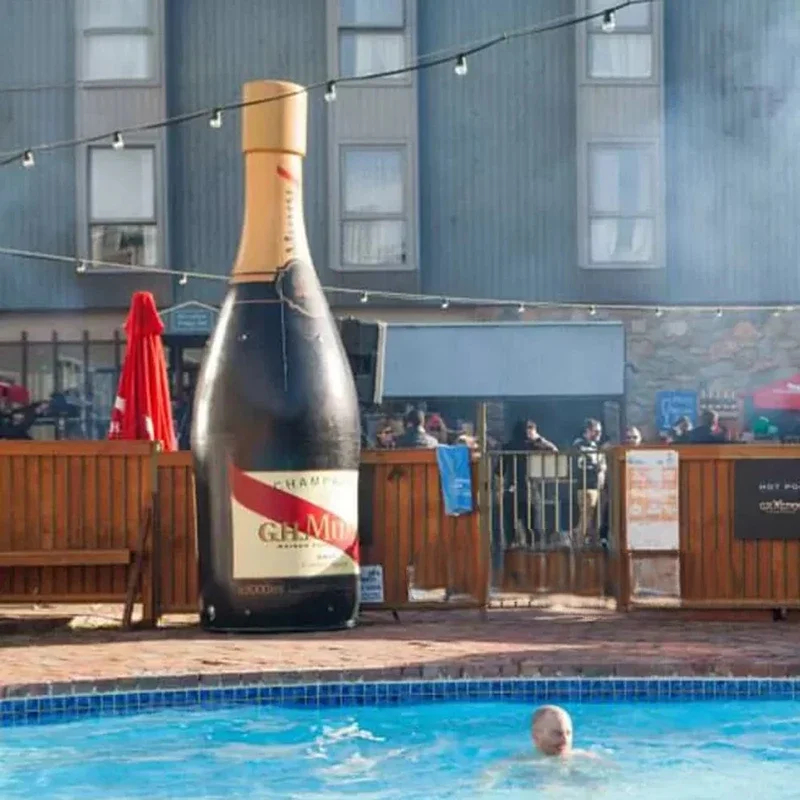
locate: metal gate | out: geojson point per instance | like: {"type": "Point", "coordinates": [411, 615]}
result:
{"type": "Point", "coordinates": [549, 525]}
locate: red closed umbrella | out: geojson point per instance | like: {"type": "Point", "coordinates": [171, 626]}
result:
{"type": "Point", "coordinates": [142, 409]}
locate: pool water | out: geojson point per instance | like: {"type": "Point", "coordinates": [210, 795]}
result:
{"type": "Point", "coordinates": [697, 750]}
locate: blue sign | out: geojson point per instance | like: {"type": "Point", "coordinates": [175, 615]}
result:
{"type": "Point", "coordinates": [455, 474]}
{"type": "Point", "coordinates": [671, 406]}
{"type": "Point", "coordinates": [191, 320]}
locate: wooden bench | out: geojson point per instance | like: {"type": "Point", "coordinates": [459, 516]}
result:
{"type": "Point", "coordinates": [65, 558]}
{"type": "Point", "coordinates": [122, 557]}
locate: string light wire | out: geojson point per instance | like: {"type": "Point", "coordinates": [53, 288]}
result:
{"type": "Point", "coordinates": [329, 84]}
{"type": "Point", "coordinates": [452, 52]}
{"type": "Point", "coordinates": [85, 267]}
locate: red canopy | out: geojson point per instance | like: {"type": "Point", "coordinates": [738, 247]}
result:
{"type": "Point", "coordinates": [783, 395]}
{"type": "Point", "coordinates": [142, 409]}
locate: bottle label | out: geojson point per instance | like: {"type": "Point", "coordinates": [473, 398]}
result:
{"type": "Point", "coordinates": [294, 524]}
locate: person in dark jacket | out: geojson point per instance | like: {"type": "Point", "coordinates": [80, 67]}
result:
{"type": "Point", "coordinates": [523, 501]}
{"type": "Point", "coordinates": [707, 432]}
{"type": "Point", "coordinates": [591, 479]}
{"type": "Point", "coordinates": [415, 434]}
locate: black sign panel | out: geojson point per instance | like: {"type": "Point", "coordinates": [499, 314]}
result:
{"type": "Point", "coordinates": [766, 502]}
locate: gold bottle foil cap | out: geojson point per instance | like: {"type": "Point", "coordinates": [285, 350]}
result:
{"type": "Point", "coordinates": [278, 126]}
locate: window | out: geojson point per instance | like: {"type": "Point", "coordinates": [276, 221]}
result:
{"type": "Point", "coordinates": [371, 37]}
{"type": "Point", "coordinates": [371, 13]}
{"type": "Point", "coordinates": [122, 205]}
{"type": "Point", "coordinates": [622, 207]}
{"type": "Point", "coordinates": [373, 207]}
{"type": "Point", "coordinates": [627, 52]}
{"type": "Point", "coordinates": [118, 41]}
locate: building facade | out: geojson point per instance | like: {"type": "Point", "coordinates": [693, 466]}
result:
{"type": "Point", "coordinates": [650, 164]}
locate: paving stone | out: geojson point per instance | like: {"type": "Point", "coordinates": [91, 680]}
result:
{"type": "Point", "coordinates": [527, 642]}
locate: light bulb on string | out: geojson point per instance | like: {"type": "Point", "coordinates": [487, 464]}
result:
{"type": "Point", "coordinates": [27, 159]}
{"type": "Point", "coordinates": [521, 308]}
{"type": "Point", "coordinates": [365, 297]}
{"type": "Point", "coordinates": [461, 66]}
{"type": "Point", "coordinates": [592, 311]}
{"type": "Point", "coordinates": [184, 279]}
{"type": "Point", "coordinates": [80, 267]}
{"type": "Point", "coordinates": [330, 92]}
{"type": "Point", "coordinates": [776, 312]}
{"type": "Point", "coordinates": [609, 22]}
{"type": "Point", "coordinates": [215, 120]}
{"type": "Point", "coordinates": [659, 312]}
{"type": "Point", "coordinates": [445, 304]}
{"type": "Point", "coordinates": [719, 313]}
{"type": "Point", "coordinates": [117, 142]}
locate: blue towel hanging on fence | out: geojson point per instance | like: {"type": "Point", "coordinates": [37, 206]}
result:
{"type": "Point", "coordinates": [455, 474]}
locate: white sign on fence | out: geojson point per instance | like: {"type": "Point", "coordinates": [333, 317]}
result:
{"type": "Point", "coordinates": [652, 500]}
{"type": "Point", "coordinates": [371, 583]}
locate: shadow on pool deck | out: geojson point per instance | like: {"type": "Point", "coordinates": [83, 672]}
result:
{"type": "Point", "coordinates": [537, 641]}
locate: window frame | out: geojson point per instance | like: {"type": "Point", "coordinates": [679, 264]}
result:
{"type": "Point", "coordinates": [345, 216]}
{"type": "Point", "coordinates": [152, 223]}
{"type": "Point", "coordinates": [148, 32]}
{"type": "Point", "coordinates": [356, 29]}
{"type": "Point", "coordinates": [591, 31]}
{"type": "Point", "coordinates": [376, 26]}
{"type": "Point", "coordinates": [650, 147]}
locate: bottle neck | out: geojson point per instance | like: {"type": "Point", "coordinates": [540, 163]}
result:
{"type": "Point", "coordinates": [273, 229]}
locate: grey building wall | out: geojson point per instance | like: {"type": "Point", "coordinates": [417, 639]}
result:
{"type": "Point", "coordinates": [497, 154]}
{"type": "Point", "coordinates": [37, 205]}
{"type": "Point", "coordinates": [733, 173]}
{"type": "Point", "coordinates": [213, 48]}
{"type": "Point", "coordinates": [377, 113]}
{"type": "Point", "coordinates": [497, 167]}
{"type": "Point", "coordinates": [107, 105]}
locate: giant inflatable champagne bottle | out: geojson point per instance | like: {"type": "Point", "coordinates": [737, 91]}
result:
{"type": "Point", "coordinates": [276, 435]}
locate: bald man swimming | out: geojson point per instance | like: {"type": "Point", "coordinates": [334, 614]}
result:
{"type": "Point", "coordinates": [551, 731]}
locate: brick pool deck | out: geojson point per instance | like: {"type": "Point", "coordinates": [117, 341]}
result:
{"type": "Point", "coordinates": [39, 652]}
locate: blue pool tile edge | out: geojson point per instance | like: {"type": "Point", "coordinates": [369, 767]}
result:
{"type": "Point", "coordinates": [52, 708]}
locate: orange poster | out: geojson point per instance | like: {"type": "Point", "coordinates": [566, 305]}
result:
{"type": "Point", "coordinates": [651, 499]}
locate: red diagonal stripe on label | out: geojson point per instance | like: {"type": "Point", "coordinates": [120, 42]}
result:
{"type": "Point", "coordinates": [287, 176]}
{"type": "Point", "coordinates": [287, 509]}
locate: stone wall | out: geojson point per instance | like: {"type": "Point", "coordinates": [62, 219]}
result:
{"type": "Point", "coordinates": [696, 350]}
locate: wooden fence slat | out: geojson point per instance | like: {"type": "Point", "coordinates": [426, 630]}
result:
{"type": "Point", "coordinates": [723, 480]}
{"type": "Point", "coordinates": [69, 518]}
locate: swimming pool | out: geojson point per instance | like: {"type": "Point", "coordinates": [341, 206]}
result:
{"type": "Point", "coordinates": [700, 738]}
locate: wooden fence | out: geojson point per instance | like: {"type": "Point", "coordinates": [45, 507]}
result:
{"type": "Point", "coordinates": [717, 571]}
{"type": "Point", "coordinates": [76, 521]}
{"type": "Point", "coordinates": [91, 522]}
{"type": "Point", "coordinates": [427, 556]}
{"type": "Point", "coordinates": [403, 529]}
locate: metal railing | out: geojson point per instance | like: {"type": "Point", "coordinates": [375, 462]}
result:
{"type": "Point", "coordinates": [549, 522]}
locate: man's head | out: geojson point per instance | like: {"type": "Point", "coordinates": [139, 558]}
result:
{"type": "Point", "coordinates": [592, 430]}
{"type": "Point", "coordinates": [415, 419]}
{"type": "Point", "coordinates": [385, 436]}
{"type": "Point", "coordinates": [683, 425]}
{"type": "Point", "coordinates": [551, 729]}
{"type": "Point", "coordinates": [531, 430]}
{"type": "Point", "coordinates": [633, 436]}
{"type": "Point", "coordinates": [710, 418]}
